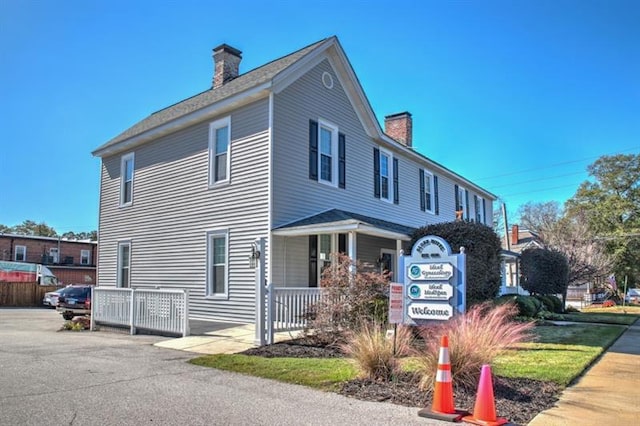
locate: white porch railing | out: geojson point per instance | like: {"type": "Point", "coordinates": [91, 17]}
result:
{"type": "Point", "coordinates": [288, 308]}
{"type": "Point", "coordinates": [163, 310]}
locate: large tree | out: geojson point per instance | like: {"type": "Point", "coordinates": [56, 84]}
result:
{"type": "Point", "coordinates": [610, 204]}
{"type": "Point", "coordinates": [29, 227]}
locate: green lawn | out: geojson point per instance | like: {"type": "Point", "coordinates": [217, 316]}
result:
{"type": "Point", "coordinates": [558, 354]}
{"type": "Point", "coordinates": [320, 373]}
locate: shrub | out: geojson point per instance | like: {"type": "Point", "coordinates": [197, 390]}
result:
{"type": "Point", "coordinates": [475, 338]}
{"type": "Point", "coordinates": [558, 306]}
{"type": "Point", "coordinates": [544, 271]}
{"type": "Point", "coordinates": [348, 300]}
{"type": "Point", "coordinates": [373, 350]}
{"type": "Point", "coordinates": [526, 306]}
{"type": "Point", "coordinates": [547, 304]}
{"type": "Point", "coordinates": [482, 247]}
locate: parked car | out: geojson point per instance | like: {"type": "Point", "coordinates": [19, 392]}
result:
{"type": "Point", "coordinates": [51, 298]}
{"type": "Point", "coordinates": [633, 295]}
{"type": "Point", "coordinates": [74, 300]}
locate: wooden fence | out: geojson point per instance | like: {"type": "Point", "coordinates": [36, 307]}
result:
{"type": "Point", "coordinates": [23, 294]}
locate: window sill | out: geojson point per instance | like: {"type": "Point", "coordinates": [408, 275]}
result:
{"type": "Point", "coordinates": [217, 297]}
{"type": "Point", "coordinates": [219, 184]}
{"type": "Point", "coordinates": [124, 206]}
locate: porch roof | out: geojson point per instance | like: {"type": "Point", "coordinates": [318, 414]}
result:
{"type": "Point", "coordinates": [334, 220]}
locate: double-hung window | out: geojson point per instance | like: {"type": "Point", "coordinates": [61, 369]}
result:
{"type": "Point", "coordinates": [217, 263]}
{"type": "Point", "coordinates": [479, 208]}
{"type": "Point", "coordinates": [126, 173]}
{"type": "Point", "coordinates": [385, 176]}
{"type": "Point", "coordinates": [124, 264]}
{"type": "Point", "coordinates": [20, 254]}
{"type": "Point", "coordinates": [462, 202]}
{"type": "Point", "coordinates": [327, 154]}
{"type": "Point", "coordinates": [54, 255]}
{"type": "Point", "coordinates": [85, 257]}
{"type": "Point", "coordinates": [219, 151]}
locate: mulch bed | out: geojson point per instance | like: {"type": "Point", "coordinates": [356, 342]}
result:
{"type": "Point", "coordinates": [518, 400]}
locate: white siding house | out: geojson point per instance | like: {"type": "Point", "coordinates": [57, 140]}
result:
{"type": "Point", "coordinates": [290, 151]}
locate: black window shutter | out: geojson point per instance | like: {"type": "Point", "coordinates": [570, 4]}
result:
{"type": "Point", "coordinates": [435, 195]}
{"type": "Point", "coordinates": [396, 186]}
{"type": "Point", "coordinates": [484, 211]}
{"type": "Point", "coordinates": [342, 159]}
{"type": "Point", "coordinates": [457, 196]}
{"type": "Point", "coordinates": [466, 200]}
{"type": "Point", "coordinates": [313, 261]}
{"type": "Point", "coordinates": [313, 150]}
{"type": "Point", "coordinates": [376, 172]}
{"type": "Point", "coordinates": [423, 206]}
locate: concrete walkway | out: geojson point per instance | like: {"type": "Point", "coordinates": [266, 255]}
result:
{"type": "Point", "coordinates": [609, 393]}
{"type": "Point", "coordinates": [210, 338]}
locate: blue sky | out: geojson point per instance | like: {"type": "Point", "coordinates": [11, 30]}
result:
{"type": "Point", "coordinates": [518, 96]}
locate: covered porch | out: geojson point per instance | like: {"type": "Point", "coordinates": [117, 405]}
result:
{"type": "Point", "coordinates": [301, 249]}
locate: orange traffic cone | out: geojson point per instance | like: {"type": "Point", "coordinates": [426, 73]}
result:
{"type": "Point", "coordinates": [484, 411]}
{"type": "Point", "coordinates": [443, 407]}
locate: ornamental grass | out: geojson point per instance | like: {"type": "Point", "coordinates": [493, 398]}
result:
{"type": "Point", "coordinates": [475, 338]}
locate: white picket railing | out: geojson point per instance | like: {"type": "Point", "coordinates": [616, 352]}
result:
{"type": "Point", "coordinates": [162, 310]}
{"type": "Point", "coordinates": [288, 308]}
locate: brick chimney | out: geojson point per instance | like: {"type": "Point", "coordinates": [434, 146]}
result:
{"type": "Point", "coordinates": [515, 235]}
{"type": "Point", "coordinates": [400, 127]}
{"type": "Point", "coordinates": [226, 61]}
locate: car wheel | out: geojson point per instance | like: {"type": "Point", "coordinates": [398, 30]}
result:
{"type": "Point", "coordinates": [67, 315]}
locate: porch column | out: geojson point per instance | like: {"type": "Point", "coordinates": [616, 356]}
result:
{"type": "Point", "coordinates": [352, 246]}
{"type": "Point", "coordinates": [397, 265]}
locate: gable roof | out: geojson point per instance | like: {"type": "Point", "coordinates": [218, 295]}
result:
{"type": "Point", "coordinates": [238, 85]}
{"type": "Point", "coordinates": [344, 220]}
{"type": "Point", "coordinates": [273, 76]}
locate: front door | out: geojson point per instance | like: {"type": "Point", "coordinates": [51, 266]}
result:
{"type": "Point", "coordinates": [388, 262]}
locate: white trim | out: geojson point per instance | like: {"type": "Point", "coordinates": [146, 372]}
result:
{"type": "Point", "coordinates": [212, 154]}
{"type": "Point", "coordinates": [390, 174]}
{"type": "Point", "coordinates": [394, 258]}
{"type": "Point", "coordinates": [270, 190]}
{"type": "Point", "coordinates": [333, 129]}
{"type": "Point", "coordinates": [217, 108]}
{"type": "Point", "coordinates": [477, 209]}
{"type": "Point", "coordinates": [123, 169]}
{"type": "Point", "coordinates": [211, 235]}
{"type": "Point", "coordinates": [24, 253]}
{"type": "Point", "coordinates": [88, 252]}
{"type": "Point", "coordinates": [340, 227]}
{"type": "Point", "coordinates": [123, 243]}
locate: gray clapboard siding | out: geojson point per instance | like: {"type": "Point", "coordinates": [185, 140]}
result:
{"type": "Point", "coordinates": [296, 196]}
{"type": "Point", "coordinates": [173, 208]}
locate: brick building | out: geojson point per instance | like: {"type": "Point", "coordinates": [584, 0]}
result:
{"type": "Point", "coordinates": [72, 261]}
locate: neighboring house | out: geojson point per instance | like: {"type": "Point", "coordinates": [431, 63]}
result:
{"type": "Point", "coordinates": [290, 151]}
{"type": "Point", "coordinates": [72, 261]}
{"type": "Point", "coordinates": [515, 243]}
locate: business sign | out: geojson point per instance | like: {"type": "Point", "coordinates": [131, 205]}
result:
{"type": "Point", "coordinates": [429, 311]}
{"type": "Point", "coordinates": [434, 281]}
{"type": "Point", "coordinates": [430, 291]}
{"type": "Point", "coordinates": [438, 271]}
{"type": "Point", "coordinates": [396, 303]}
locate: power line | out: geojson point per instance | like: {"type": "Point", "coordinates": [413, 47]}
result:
{"type": "Point", "coordinates": [537, 180]}
{"type": "Point", "coordinates": [550, 166]}
{"type": "Point", "coordinates": [540, 190]}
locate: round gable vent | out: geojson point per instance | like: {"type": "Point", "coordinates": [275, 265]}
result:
{"type": "Point", "coordinates": [327, 80]}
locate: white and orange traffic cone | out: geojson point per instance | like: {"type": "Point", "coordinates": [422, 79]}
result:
{"type": "Point", "coordinates": [443, 407]}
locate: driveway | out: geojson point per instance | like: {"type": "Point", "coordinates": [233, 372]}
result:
{"type": "Point", "coordinates": [106, 378]}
